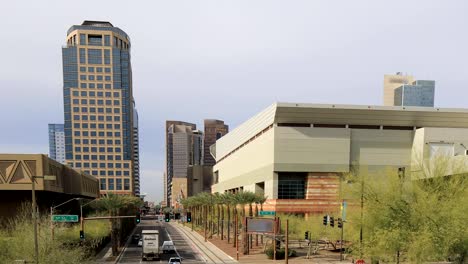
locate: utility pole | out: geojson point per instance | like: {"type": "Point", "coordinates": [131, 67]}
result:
{"type": "Point", "coordinates": [34, 215]}
{"type": "Point", "coordinates": [287, 242]}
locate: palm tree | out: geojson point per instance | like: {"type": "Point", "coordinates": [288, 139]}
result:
{"type": "Point", "coordinates": [113, 203]}
{"type": "Point", "coordinates": [225, 199]}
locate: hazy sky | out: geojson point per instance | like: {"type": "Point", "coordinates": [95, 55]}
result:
{"type": "Point", "coordinates": [228, 60]}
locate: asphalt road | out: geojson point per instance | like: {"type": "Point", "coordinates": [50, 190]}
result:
{"type": "Point", "coordinates": [132, 253]}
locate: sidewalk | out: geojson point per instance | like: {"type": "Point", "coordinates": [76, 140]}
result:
{"type": "Point", "coordinates": [207, 250]}
{"type": "Point", "coordinates": [223, 248]}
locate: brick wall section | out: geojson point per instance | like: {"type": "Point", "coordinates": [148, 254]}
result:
{"type": "Point", "coordinates": [322, 196]}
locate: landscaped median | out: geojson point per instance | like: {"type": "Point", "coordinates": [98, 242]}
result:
{"type": "Point", "coordinates": [17, 240]}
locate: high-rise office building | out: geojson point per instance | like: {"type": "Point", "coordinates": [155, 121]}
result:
{"type": "Point", "coordinates": [98, 99]}
{"type": "Point", "coordinates": [403, 90]}
{"type": "Point", "coordinates": [418, 93]}
{"type": "Point", "coordinates": [136, 154]}
{"type": "Point", "coordinates": [214, 130]}
{"type": "Point", "coordinates": [57, 142]}
{"type": "Point", "coordinates": [391, 82]}
{"type": "Point", "coordinates": [184, 147]}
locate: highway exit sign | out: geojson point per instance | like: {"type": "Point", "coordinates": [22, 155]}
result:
{"type": "Point", "coordinates": [267, 212]}
{"type": "Point", "coordinates": [65, 218]}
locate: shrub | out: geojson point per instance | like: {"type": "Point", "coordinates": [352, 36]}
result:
{"type": "Point", "coordinates": [280, 253]}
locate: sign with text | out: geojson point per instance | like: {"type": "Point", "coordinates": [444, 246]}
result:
{"type": "Point", "coordinates": [261, 225]}
{"type": "Point", "coordinates": [267, 213]}
{"type": "Point", "coordinates": [64, 218]}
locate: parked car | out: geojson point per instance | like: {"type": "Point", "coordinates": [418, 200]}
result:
{"type": "Point", "coordinates": [140, 242]}
{"type": "Point", "coordinates": [175, 260]}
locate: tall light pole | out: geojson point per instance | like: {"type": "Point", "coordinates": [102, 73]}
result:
{"type": "Point", "coordinates": [81, 213]}
{"type": "Point", "coordinates": [35, 211]}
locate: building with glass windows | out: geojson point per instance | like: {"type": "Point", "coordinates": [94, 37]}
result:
{"type": "Point", "coordinates": [57, 142]}
{"type": "Point", "coordinates": [214, 130]}
{"type": "Point", "coordinates": [184, 148]}
{"type": "Point", "coordinates": [98, 104]}
{"type": "Point", "coordinates": [418, 93]}
{"type": "Point", "coordinates": [296, 154]}
{"type": "Point", "coordinates": [136, 154]}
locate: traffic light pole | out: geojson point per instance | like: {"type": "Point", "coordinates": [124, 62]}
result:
{"type": "Point", "coordinates": [341, 249]}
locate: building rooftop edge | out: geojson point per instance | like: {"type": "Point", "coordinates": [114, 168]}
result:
{"type": "Point", "coordinates": [371, 107]}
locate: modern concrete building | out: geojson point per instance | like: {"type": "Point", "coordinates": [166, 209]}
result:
{"type": "Point", "coordinates": [214, 130]}
{"type": "Point", "coordinates": [17, 170]}
{"type": "Point", "coordinates": [418, 93]}
{"type": "Point", "coordinates": [295, 154]}
{"type": "Point", "coordinates": [98, 107]}
{"type": "Point", "coordinates": [184, 147]}
{"type": "Point", "coordinates": [57, 142]}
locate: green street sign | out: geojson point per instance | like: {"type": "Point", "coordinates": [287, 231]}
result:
{"type": "Point", "coordinates": [267, 212]}
{"type": "Point", "coordinates": [65, 218]}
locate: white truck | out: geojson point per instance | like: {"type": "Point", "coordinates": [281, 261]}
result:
{"type": "Point", "coordinates": [150, 248]}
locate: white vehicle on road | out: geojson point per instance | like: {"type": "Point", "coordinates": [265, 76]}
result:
{"type": "Point", "coordinates": [150, 244]}
{"type": "Point", "coordinates": [175, 260]}
{"type": "Point", "coordinates": [168, 247]}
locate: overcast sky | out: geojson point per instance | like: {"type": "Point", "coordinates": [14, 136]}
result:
{"type": "Point", "coordinates": [228, 60]}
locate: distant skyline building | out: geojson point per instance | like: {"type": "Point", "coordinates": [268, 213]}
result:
{"type": "Point", "coordinates": [179, 153]}
{"type": "Point", "coordinates": [402, 90]}
{"type": "Point", "coordinates": [391, 82]}
{"type": "Point", "coordinates": [214, 130]}
{"type": "Point", "coordinates": [57, 142]}
{"type": "Point", "coordinates": [136, 153]}
{"type": "Point", "coordinates": [98, 104]}
{"type": "Point", "coordinates": [418, 93]}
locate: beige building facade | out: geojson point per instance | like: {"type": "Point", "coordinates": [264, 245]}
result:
{"type": "Point", "coordinates": [295, 154]}
{"type": "Point", "coordinates": [98, 105]}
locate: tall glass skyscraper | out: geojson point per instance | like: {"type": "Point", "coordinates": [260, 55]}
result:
{"type": "Point", "coordinates": [57, 142]}
{"type": "Point", "coordinates": [97, 89]}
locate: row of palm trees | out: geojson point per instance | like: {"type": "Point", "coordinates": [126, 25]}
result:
{"type": "Point", "coordinates": [205, 207]}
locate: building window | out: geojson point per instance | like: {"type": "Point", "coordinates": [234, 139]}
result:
{"type": "Point", "coordinates": [107, 56]}
{"type": "Point", "coordinates": [103, 183]}
{"type": "Point", "coordinates": [291, 185]}
{"type": "Point", "coordinates": [94, 56]}
{"type": "Point", "coordinates": [98, 69]}
{"type": "Point", "coordinates": [111, 184]}
{"type": "Point", "coordinates": [106, 40]}
{"type": "Point", "coordinates": [95, 40]}
{"type": "Point", "coordinates": [126, 184]}
{"type": "Point", "coordinates": [118, 184]}
{"type": "Point", "coordinates": [82, 56]}
{"type": "Point", "coordinates": [82, 39]}
{"type": "Point", "coordinates": [92, 85]}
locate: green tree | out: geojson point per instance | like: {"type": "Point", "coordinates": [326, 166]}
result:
{"type": "Point", "coordinates": [113, 204]}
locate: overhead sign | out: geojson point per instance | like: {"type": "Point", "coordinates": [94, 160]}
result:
{"type": "Point", "coordinates": [65, 218]}
{"type": "Point", "coordinates": [343, 210]}
{"type": "Point", "coordinates": [267, 213]}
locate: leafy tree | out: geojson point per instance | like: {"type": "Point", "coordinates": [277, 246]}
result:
{"type": "Point", "coordinates": [113, 204]}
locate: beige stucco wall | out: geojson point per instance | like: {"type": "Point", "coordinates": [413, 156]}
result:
{"type": "Point", "coordinates": [377, 149]}
{"type": "Point", "coordinates": [309, 149]}
{"type": "Point", "coordinates": [251, 164]}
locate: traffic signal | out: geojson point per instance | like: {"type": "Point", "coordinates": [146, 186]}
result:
{"type": "Point", "coordinates": [189, 217]}
{"type": "Point", "coordinates": [137, 218]}
{"type": "Point", "coordinates": [166, 217]}
{"type": "Point", "coordinates": [332, 221]}
{"type": "Point", "coordinates": [340, 223]}
{"type": "Point", "coordinates": [81, 234]}
{"type": "Point", "coordinates": [306, 235]}
{"type": "Point", "coordinates": [325, 220]}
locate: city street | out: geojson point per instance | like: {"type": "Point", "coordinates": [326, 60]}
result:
{"type": "Point", "coordinates": [184, 248]}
